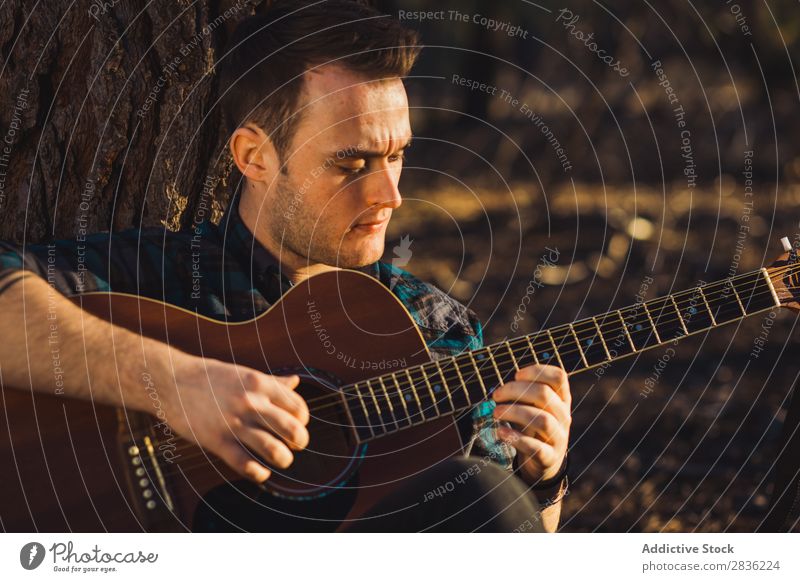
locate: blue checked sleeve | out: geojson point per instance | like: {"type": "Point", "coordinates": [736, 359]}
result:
{"type": "Point", "coordinates": [71, 268]}
{"type": "Point", "coordinates": [483, 441]}
{"type": "Point", "coordinates": [125, 261]}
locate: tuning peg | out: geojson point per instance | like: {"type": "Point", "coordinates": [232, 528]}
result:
{"type": "Point", "coordinates": [789, 248]}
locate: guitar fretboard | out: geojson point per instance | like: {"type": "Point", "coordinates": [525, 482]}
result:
{"type": "Point", "coordinates": [391, 402]}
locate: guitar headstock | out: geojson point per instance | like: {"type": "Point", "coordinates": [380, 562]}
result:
{"type": "Point", "coordinates": [785, 276]}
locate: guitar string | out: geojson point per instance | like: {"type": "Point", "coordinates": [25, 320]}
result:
{"type": "Point", "coordinates": [385, 398]}
{"type": "Point", "coordinates": [563, 333]}
{"type": "Point", "coordinates": [602, 322]}
{"type": "Point", "coordinates": [351, 392]}
{"type": "Point", "coordinates": [526, 352]}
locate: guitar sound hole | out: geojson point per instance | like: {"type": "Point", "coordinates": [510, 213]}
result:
{"type": "Point", "coordinates": [332, 454]}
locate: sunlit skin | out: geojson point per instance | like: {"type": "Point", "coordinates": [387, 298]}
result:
{"type": "Point", "coordinates": [333, 200]}
{"type": "Point", "coordinates": [330, 207]}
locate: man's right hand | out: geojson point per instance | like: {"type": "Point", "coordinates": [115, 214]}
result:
{"type": "Point", "coordinates": [228, 409]}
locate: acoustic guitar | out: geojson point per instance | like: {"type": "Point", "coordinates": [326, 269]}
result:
{"type": "Point", "coordinates": [381, 408]}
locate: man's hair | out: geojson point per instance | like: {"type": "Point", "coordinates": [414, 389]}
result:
{"type": "Point", "coordinates": [261, 73]}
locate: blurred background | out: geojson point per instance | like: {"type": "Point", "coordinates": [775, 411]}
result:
{"type": "Point", "coordinates": [683, 170]}
{"type": "Point", "coordinates": [568, 157]}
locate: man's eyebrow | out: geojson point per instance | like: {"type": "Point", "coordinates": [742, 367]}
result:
{"type": "Point", "coordinates": [355, 153]}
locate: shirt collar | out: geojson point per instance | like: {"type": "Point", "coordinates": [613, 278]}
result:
{"type": "Point", "coordinates": [262, 266]}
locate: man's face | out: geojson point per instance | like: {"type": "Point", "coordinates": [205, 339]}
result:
{"type": "Point", "coordinates": [335, 196]}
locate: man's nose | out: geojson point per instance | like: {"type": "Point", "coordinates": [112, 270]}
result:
{"type": "Point", "coordinates": [382, 189]}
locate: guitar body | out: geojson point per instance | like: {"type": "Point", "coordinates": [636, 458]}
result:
{"type": "Point", "coordinates": [72, 465]}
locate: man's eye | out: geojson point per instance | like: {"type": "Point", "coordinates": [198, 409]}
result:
{"type": "Point", "coordinates": [349, 171]}
{"type": "Point", "coordinates": [397, 157]}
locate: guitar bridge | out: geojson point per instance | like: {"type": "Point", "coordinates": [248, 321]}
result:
{"type": "Point", "coordinates": [146, 483]}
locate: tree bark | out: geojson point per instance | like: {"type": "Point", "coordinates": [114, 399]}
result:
{"type": "Point", "coordinates": [109, 116]}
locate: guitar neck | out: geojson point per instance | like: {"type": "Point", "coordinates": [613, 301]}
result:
{"type": "Point", "coordinates": [394, 401]}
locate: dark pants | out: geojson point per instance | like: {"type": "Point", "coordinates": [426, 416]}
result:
{"type": "Point", "coordinates": [457, 495]}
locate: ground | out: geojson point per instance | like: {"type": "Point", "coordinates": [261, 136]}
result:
{"type": "Point", "coordinates": [692, 452]}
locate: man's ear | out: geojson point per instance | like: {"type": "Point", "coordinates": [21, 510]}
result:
{"type": "Point", "coordinates": [254, 153]}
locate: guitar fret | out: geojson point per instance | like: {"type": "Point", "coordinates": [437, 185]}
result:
{"type": "Point", "coordinates": [349, 411]}
{"type": "Point", "coordinates": [555, 348]}
{"type": "Point", "coordinates": [402, 396]}
{"type": "Point", "coordinates": [366, 412]}
{"type": "Point", "coordinates": [602, 340]}
{"type": "Point", "coordinates": [580, 348]}
{"type": "Point", "coordinates": [461, 379]}
{"type": "Point", "coordinates": [533, 351]}
{"type": "Point", "coordinates": [511, 353]}
{"type": "Point", "coordinates": [478, 374]}
{"type": "Point", "coordinates": [672, 315]}
{"type": "Point", "coordinates": [680, 317]}
{"type": "Point", "coordinates": [430, 390]}
{"type": "Point", "coordinates": [377, 407]}
{"type": "Point", "coordinates": [738, 299]}
{"type": "Point", "coordinates": [591, 342]}
{"type": "Point", "coordinates": [413, 389]}
{"type": "Point", "coordinates": [724, 301]}
{"type": "Point", "coordinates": [625, 330]}
{"type": "Point", "coordinates": [389, 402]}
{"type": "Point", "coordinates": [705, 300]}
{"type": "Point", "coordinates": [652, 323]}
{"type": "Point", "coordinates": [494, 365]}
{"type": "Point", "coordinates": [445, 385]}
{"type": "Point", "coordinates": [613, 336]}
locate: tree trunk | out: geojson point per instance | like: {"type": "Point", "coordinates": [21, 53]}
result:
{"type": "Point", "coordinates": [109, 118]}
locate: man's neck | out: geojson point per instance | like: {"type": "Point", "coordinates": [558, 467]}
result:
{"type": "Point", "coordinates": [292, 265]}
{"type": "Point", "coordinates": [301, 274]}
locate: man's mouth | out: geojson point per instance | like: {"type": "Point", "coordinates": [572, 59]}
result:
{"type": "Point", "coordinates": [369, 227]}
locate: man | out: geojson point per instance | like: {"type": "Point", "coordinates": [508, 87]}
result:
{"type": "Point", "coordinates": [319, 125]}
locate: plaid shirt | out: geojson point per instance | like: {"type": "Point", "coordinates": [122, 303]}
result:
{"type": "Point", "coordinates": [223, 272]}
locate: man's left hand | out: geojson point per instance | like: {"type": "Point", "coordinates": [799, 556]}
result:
{"type": "Point", "coordinates": [538, 403]}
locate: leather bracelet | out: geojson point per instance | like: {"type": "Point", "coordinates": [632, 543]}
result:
{"type": "Point", "coordinates": [554, 481]}
{"type": "Point", "coordinates": [560, 494]}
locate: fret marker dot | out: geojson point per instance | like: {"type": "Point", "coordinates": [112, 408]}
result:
{"type": "Point", "coordinates": [408, 397]}
{"type": "Point", "coordinates": [546, 355]}
{"type": "Point", "coordinates": [589, 342]}
{"type": "Point", "coordinates": [437, 388]}
{"type": "Point", "coordinates": [638, 327]}
{"type": "Point", "coordinates": [692, 310]}
{"type": "Point", "coordinates": [481, 356]}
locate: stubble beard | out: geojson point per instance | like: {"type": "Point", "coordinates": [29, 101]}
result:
{"type": "Point", "coordinates": [305, 235]}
